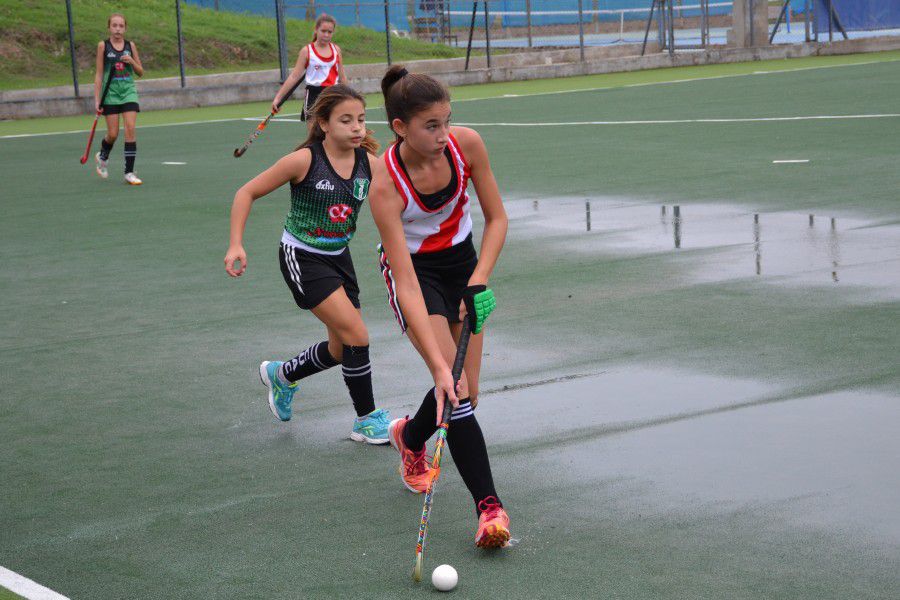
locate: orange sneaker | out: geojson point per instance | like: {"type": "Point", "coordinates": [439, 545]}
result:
{"type": "Point", "coordinates": [493, 524]}
{"type": "Point", "coordinates": [414, 468]}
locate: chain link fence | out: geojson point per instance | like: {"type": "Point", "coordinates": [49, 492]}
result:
{"type": "Point", "coordinates": [487, 27]}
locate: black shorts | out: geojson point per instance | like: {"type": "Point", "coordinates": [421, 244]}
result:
{"type": "Point", "coordinates": [313, 277]}
{"type": "Point", "coordinates": [116, 109]}
{"type": "Point", "coordinates": [443, 277]}
{"type": "Point", "coordinates": [312, 92]}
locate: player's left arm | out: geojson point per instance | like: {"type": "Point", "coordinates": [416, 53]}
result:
{"type": "Point", "coordinates": [342, 78]}
{"type": "Point", "coordinates": [495, 220]}
{"type": "Point", "coordinates": [478, 300]}
{"type": "Point", "coordinates": [135, 61]}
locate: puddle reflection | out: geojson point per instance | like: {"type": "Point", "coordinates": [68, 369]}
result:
{"type": "Point", "coordinates": [800, 247]}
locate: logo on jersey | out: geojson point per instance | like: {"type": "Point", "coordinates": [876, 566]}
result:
{"type": "Point", "coordinates": [360, 189]}
{"type": "Point", "coordinates": [325, 185]}
{"type": "Point", "coordinates": [339, 213]}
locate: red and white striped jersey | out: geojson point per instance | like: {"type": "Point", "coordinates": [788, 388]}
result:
{"type": "Point", "coordinates": [432, 230]}
{"type": "Point", "coordinates": [320, 71]}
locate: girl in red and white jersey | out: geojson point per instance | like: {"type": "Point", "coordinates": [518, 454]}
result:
{"type": "Point", "coordinates": [320, 61]}
{"type": "Point", "coordinates": [421, 207]}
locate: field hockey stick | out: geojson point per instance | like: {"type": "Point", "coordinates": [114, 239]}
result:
{"type": "Point", "coordinates": [458, 363]}
{"type": "Point", "coordinates": [239, 152]}
{"type": "Point", "coordinates": [87, 150]}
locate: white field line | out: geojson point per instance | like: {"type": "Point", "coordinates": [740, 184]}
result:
{"type": "Point", "coordinates": [551, 93]}
{"type": "Point", "coordinates": [790, 162]}
{"type": "Point", "coordinates": [174, 163]}
{"type": "Point", "coordinates": [678, 121]}
{"type": "Point", "coordinates": [27, 588]}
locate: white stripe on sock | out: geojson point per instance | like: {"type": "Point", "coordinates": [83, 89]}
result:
{"type": "Point", "coordinates": [366, 372]}
{"type": "Point", "coordinates": [313, 353]}
{"type": "Point", "coordinates": [462, 412]}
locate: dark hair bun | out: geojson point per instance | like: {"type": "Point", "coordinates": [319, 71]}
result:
{"type": "Point", "coordinates": [392, 76]}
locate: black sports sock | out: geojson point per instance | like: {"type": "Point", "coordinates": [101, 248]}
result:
{"type": "Point", "coordinates": [358, 376]}
{"type": "Point", "coordinates": [313, 360]}
{"type": "Point", "coordinates": [466, 443]}
{"type": "Point", "coordinates": [130, 155]}
{"type": "Point", "coordinates": [421, 427]}
{"type": "Point", "coordinates": [105, 148]}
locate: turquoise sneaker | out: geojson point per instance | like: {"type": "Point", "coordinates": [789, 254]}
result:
{"type": "Point", "coordinates": [280, 395]}
{"type": "Point", "coordinates": [373, 429]}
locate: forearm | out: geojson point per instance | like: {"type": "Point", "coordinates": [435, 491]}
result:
{"type": "Point", "coordinates": [240, 211]}
{"type": "Point", "coordinates": [491, 244]}
{"type": "Point", "coordinates": [289, 82]}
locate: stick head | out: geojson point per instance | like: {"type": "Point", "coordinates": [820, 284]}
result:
{"type": "Point", "coordinates": [238, 152]}
{"type": "Point", "coordinates": [84, 159]}
{"type": "Point", "coordinates": [417, 571]}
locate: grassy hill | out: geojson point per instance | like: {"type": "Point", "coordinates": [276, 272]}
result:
{"type": "Point", "coordinates": [34, 46]}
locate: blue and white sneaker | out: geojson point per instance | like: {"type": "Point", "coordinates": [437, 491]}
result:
{"type": "Point", "coordinates": [280, 395]}
{"type": "Point", "coordinates": [373, 429]}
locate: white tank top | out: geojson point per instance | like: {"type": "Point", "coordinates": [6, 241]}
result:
{"type": "Point", "coordinates": [320, 71]}
{"type": "Point", "coordinates": [432, 230]}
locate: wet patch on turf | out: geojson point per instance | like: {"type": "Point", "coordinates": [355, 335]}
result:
{"type": "Point", "coordinates": [714, 243]}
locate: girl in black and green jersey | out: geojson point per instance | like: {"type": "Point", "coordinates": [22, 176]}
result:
{"type": "Point", "coordinates": [117, 64]}
{"type": "Point", "coordinates": [329, 175]}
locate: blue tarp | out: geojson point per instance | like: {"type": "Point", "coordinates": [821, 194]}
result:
{"type": "Point", "coordinates": [371, 13]}
{"type": "Point", "coordinates": [860, 15]}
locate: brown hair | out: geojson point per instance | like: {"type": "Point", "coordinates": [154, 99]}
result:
{"type": "Point", "coordinates": [407, 94]}
{"type": "Point", "coordinates": [120, 15]}
{"type": "Point", "coordinates": [324, 106]}
{"type": "Point", "coordinates": [323, 18]}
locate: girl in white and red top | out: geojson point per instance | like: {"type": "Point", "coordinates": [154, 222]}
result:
{"type": "Point", "coordinates": [320, 61]}
{"type": "Point", "coordinates": [421, 207]}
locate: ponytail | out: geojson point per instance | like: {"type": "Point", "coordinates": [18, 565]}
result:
{"type": "Point", "coordinates": [407, 94]}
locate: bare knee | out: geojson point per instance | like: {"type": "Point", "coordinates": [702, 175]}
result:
{"type": "Point", "coordinates": [111, 136]}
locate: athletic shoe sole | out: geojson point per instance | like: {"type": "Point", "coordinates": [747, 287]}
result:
{"type": "Point", "coordinates": [264, 378]}
{"type": "Point", "coordinates": [359, 437]}
{"type": "Point", "coordinates": [494, 537]}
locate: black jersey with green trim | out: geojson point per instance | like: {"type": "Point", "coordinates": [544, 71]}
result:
{"type": "Point", "coordinates": [122, 89]}
{"type": "Point", "coordinates": [325, 206]}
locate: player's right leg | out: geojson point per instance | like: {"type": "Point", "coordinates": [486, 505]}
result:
{"type": "Point", "coordinates": [349, 343]}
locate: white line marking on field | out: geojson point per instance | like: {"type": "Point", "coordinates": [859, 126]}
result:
{"type": "Point", "coordinates": [27, 588]}
{"type": "Point", "coordinates": [679, 121]}
{"type": "Point", "coordinates": [173, 163]}
{"type": "Point", "coordinates": [788, 162]}
{"type": "Point", "coordinates": [551, 93]}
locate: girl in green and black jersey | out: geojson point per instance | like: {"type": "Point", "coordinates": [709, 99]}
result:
{"type": "Point", "coordinates": [329, 176]}
{"type": "Point", "coordinates": [117, 64]}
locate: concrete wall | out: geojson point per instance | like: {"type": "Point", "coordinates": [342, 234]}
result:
{"type": "Point", "coordinates": [232, 88]}
{"type": "Point", "coordinates": [750, 24]}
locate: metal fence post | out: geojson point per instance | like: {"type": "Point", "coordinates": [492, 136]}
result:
{"type": "Point", "coordinates": [528, 19]}
{"type": "Point", "coordinates": [180, 41]}
{"type": "Point", "coordinates": [487, 32]}
{"type": "Point", "coordinates": [580, 31]}
{"type": "Point", "coordinates": [387, 30]}
{"type": "Point", "coordinates": [72, 47]}
{"type": "Point", "coordinates": [282, 43]}
{"type": "Point", "coordinates": [471, 31]}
